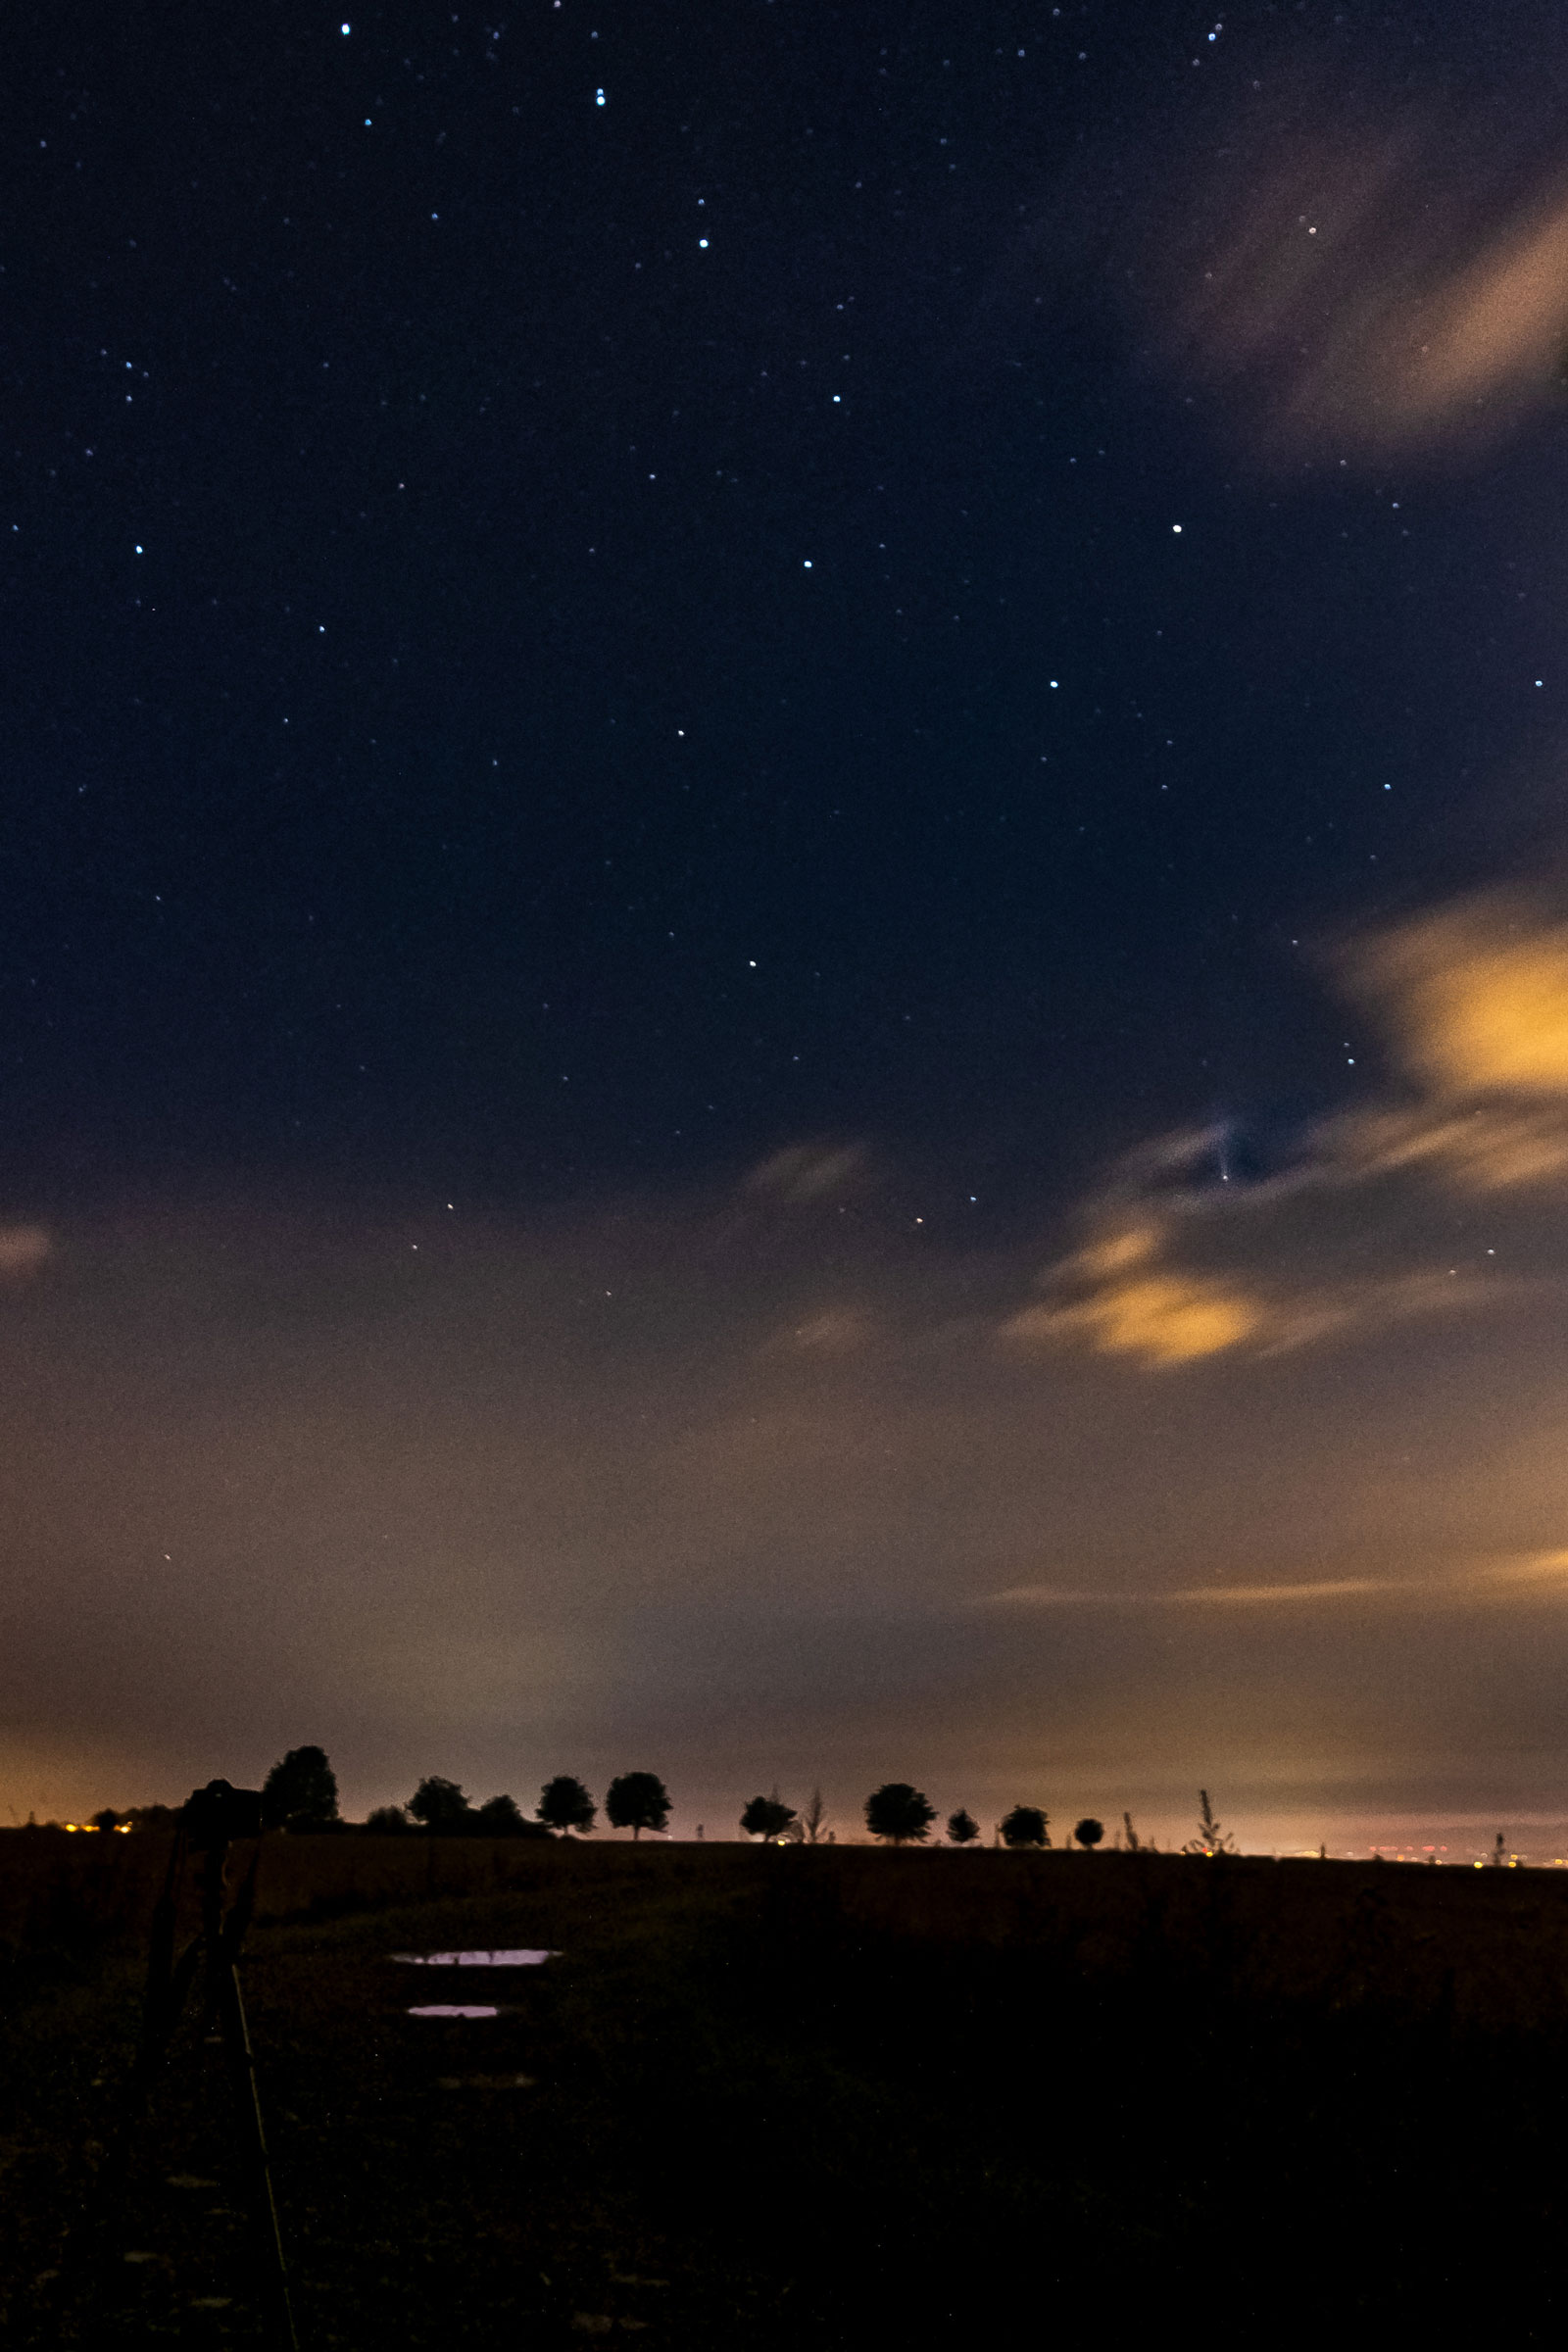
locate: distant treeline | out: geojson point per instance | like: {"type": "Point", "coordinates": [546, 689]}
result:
{"type": "Point", "coordinates": [300, 1795]}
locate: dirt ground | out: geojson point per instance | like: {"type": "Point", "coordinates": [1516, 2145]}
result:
{"type": "Point", "coordinates": [778, 2098]}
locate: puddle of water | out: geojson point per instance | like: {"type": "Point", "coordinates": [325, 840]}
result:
{"type": "Point", "coordinates": [454, 2009]}
{"type": "Point", "coordinates": [510, 1959]}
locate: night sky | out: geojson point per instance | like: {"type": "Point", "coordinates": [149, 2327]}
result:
{"type": "Point", "coordinates": [784, 970]}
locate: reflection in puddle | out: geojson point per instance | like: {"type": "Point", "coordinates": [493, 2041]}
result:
{"type": "Point", "coordinates": [511, 1959]}
{"type": "Point", "coordinates": [454, 2009]}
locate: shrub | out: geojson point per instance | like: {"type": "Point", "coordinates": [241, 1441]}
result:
{"type": "Point", "coordinates": [502, 1817]}
{"type": "Point", "coordinates": [768, 1817]}
{"type": "Point", "coordinates": [438, 1804]}
{"type": "Point", "coordinates": [1089, 1833]}
{"type": "Point", "coordinates": [962, 1827]}
{"type": "Point", "coordinates": [1026, 1826]}
{"type": "Point", "coordinates": [387, 1821]}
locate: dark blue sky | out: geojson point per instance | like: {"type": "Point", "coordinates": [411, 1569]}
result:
{"type": "Point", "coordinates": [469, 782]}
{"type": "Point", "coordinates": [783, 988]}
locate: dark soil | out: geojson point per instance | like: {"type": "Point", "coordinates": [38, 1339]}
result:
{"type": "Point", "coordinates": [841, 2097]}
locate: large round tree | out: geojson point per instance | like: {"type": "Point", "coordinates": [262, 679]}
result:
{"type": "Point", "coordinates": [898, 1814]}
{"type": "Point", "coordinates": [300, 1792]}
{"type": "Point", "coordinates": [565, 1804]}
{"type": "Point", "coordinates": [637, 1801]}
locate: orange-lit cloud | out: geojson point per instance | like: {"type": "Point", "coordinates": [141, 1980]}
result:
{"type": "Point", "coordinates": [1128, 1306]}
{"type": "Point", "coordinates": [1474, 1001]}
{"type": "Point", "coordinates": [1477, 997]}
{"type": "Point", "coordinates": [1527, 1576]}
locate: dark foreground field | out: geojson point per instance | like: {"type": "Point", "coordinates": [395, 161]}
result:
{"type": "Point", "coordinates": [794, 2097]}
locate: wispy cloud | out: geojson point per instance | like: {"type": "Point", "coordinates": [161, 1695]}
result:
{"type": "Point", "coordinates": [1230, 1597]}
{"type": "Point", "coordinates": [1345, 297]}
{"type": "Point", "coordinates": [1525, 1576]}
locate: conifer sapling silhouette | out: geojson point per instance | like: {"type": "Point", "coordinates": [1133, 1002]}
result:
{"type": "Point", "coordinates": [962, 1827]}
{"type": "Point", "coordinates": [1132, 1833]}
{"type": "Point", "coordinates": [814, 1820]}
{"type": "Point", "coordinates": [1210, 1838]}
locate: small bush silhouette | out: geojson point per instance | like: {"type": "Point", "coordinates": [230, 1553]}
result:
{"type": "Point", "coordinates": [440, 1805]}
{"type": "Point", "coordinates": [898, 1813]}
{"type": "Point", "coordinates": [565, 1804]}
{"type": "Point", "coordinates": [387, 1821]}
{"type": "Point", "coordinates": [300, 1790]}
{"type": "Point", "coordinates": [962, 1827]}
{"type": "Point", "coordinates": [1089, 1833]}
{"type": "Point", "coordinates": [106, 1819]}
{"type": "Point", "coordinates": [637, 1801]}
{"type": "Point", "coordinates": [1026, 1826]}
{"type": "Point", "coordinates": [502, 1817]}
{"type": "Point", "coordinates": [768, 1817]}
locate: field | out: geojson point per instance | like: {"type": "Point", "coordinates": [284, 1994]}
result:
{"type": "Point", "coordinates": [786, 2097]}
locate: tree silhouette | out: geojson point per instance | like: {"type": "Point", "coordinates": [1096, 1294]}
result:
{"type": "Point", "coordinates": [300, 1792]}
{"type": "Point", "coordinates": [637, 1801]}
{"type": "Point", "coordinates": [1210, 1838]}
{"type": "Point", "coordinates": [768, 1816]}
{"type": "Point", "coordinates": [565, 1804]}
{"type": "Point", "coordinates": [106, 1819]}
{"type": "Point", "coordinates": [502, 1817]}
{"type": "Point", "coordinates": [1026, 1826]}
{"type": "Point", "coordinates": [813, 1821]}
{"type": "Point", "coordinates": [1089, 1833]}
{"type": "Point", "coordinates": [899, 1813]}
{"type": "Point", "coordinates": [962, 1827]}
{"type": "Point", "coordinates": [438, 1804]}
{"type": "Point", "coordinates": [387, 1821]}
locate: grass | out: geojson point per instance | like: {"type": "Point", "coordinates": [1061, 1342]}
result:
{"type": "Point", "coordinates": [789, 2097]}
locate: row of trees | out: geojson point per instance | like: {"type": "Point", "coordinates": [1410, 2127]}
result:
{"type": "Point", "coordinates": [300, 1794]}
{"type": "Point", "coordinates": [901, 1815]}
